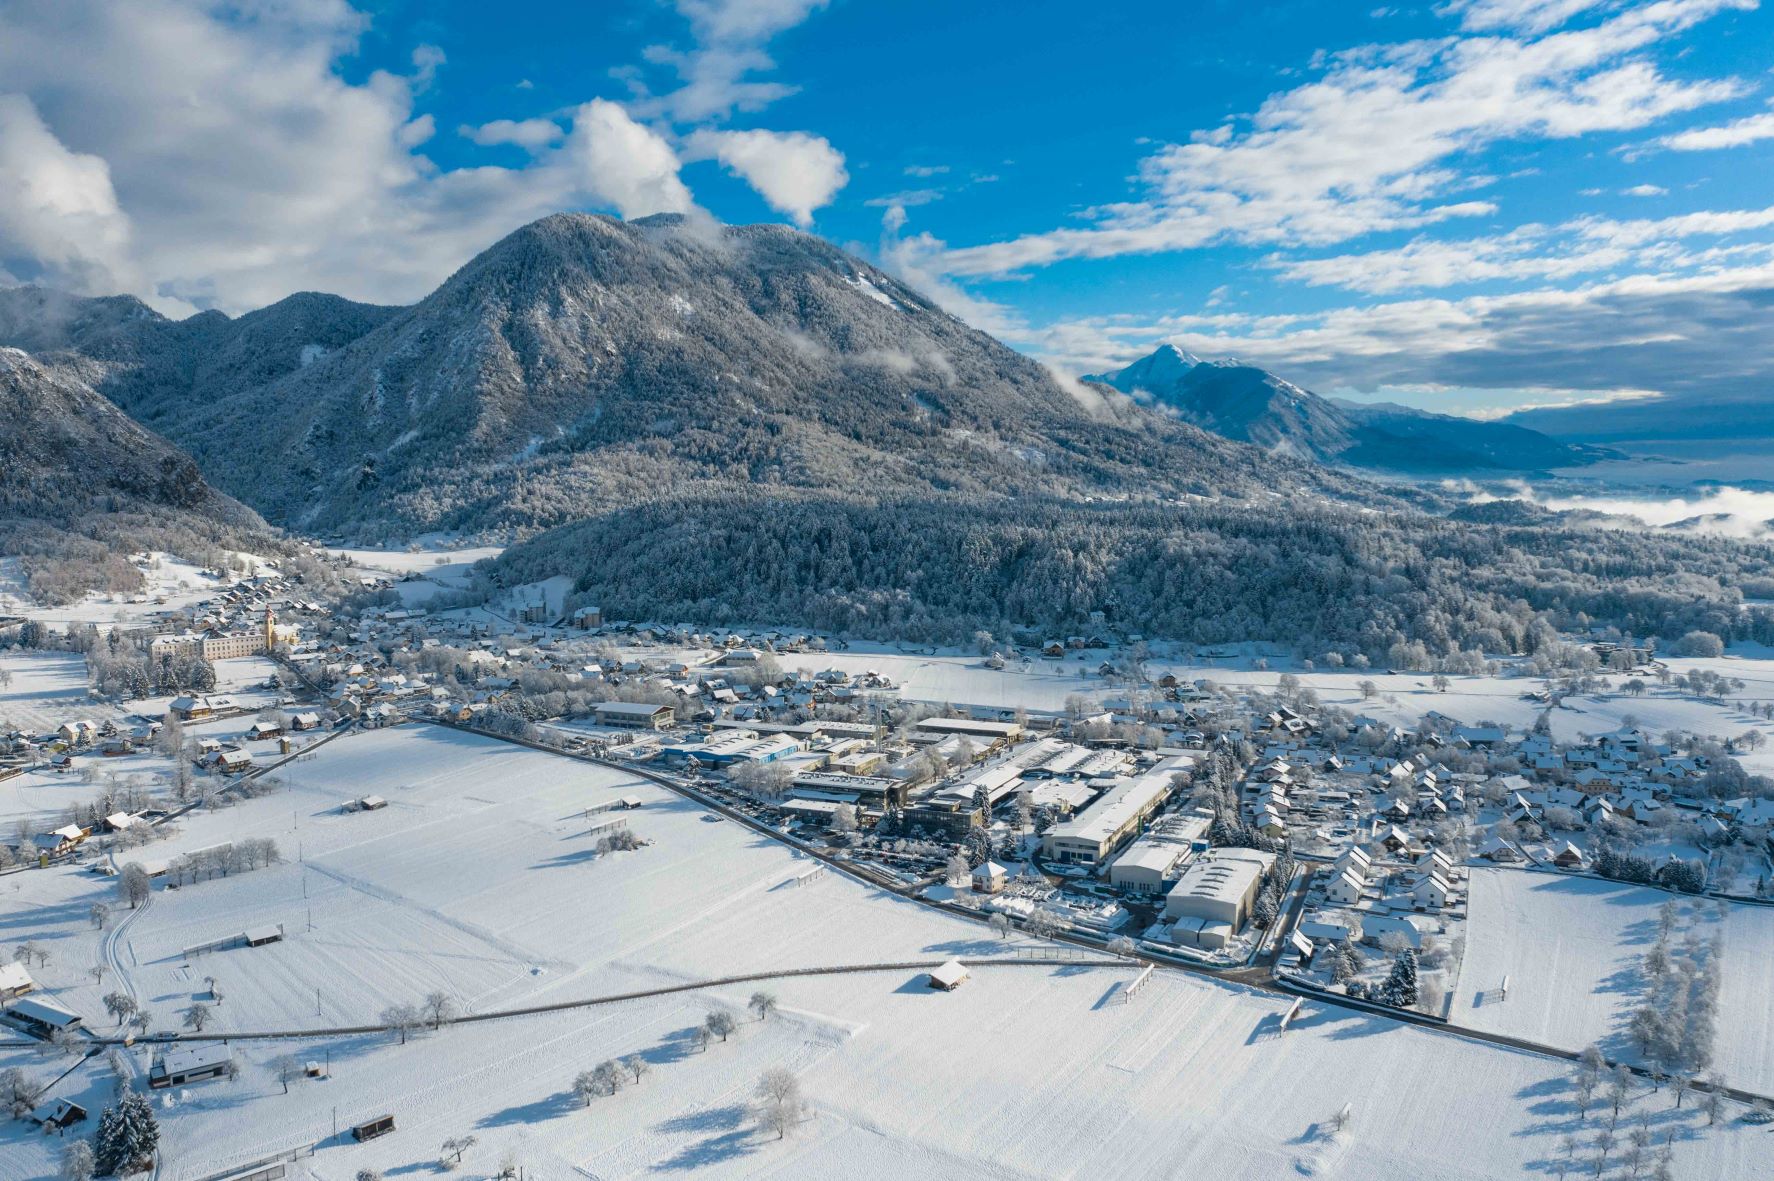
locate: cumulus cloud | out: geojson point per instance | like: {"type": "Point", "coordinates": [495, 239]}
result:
{"type": "Point", "coordinates": [630, 166]}
{"type": "Point", "coordinates": [796, 173]}
{"type": "Point", "coordinates": [204, 157]}
{"type": "Point", "coordinates": [717, 73]}
{"type": "Point", "coordinates": [59, 218]}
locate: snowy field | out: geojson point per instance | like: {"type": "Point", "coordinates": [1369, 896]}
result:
{"type": "Point", "coordinates": [1573, 949]}
{"type": "Point", "coordinates": [479, 879]}
{"type": "Point", "coordinates": [439, 567]}
{"type": "Point", "coordinates": [171, 582]}
{"type": "Point", "coordinates": [45, 690]}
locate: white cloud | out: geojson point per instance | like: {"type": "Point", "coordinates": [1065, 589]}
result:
{"type": "Point", "coordinates": [58, 212]}
{"type": "Point", "coordinates": [628, 165]}
{"type": "Point", "coordinates": [1376, 142]}
{"type": "Point", "coordinates": [531, 134]}
{"type": "Point", "coordinates": [1585, 245]}
{"type": "Point", "coordinates": [796, 173]}
{"type": "Point", "coordinates": [1645, 190]}
{"type": "Point", "coordinates": [716, 73]}
{"type": "Point", "coordinates": [242, 166]}
{"type": "Point", "coordinates": [1730, 135]}
{"type": "Point", "coordinates": [1533, 16]}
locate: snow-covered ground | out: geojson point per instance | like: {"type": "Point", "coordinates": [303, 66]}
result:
{"type": "Point", "coordinates": [45, 689]}
{"type": "Point", "coordinates": [1573, 950]}
{"type": "Point", "coordinates": [480, 880]}
{"type": "Point", "coordinates": [171, 582]}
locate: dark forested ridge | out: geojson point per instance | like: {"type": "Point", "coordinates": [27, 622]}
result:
{"type": "Point", "coordinates": [82, 486]}
{"type": "Point", "coordinates": [1401, 587]}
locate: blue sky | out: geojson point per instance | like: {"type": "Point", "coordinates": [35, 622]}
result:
{"type": "Point", "coordinates": [1476, 205]}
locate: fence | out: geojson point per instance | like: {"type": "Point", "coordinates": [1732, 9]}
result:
{"type": "Point", "coordinates": [810, 874]}
{"type": "Point", "coordinates": [1132, 987]}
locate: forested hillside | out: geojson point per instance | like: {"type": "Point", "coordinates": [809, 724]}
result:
{"type": "Point", "coordinates": [82, 486]}
{"type": "Point", "coordinates": [1398, 588]}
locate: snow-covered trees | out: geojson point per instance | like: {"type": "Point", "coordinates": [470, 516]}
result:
{"type": "Point", "coordinates": [763, 1004]}
{"type": "Point", "coordinates": [402, 1019]}
{"type": "Point", "coordinates": [1399, 989]}
{"type": "Point", "coordinates": [780, 1105]}
{"type": "Point", "coordinates": [438, 1008]}
{"type": "Point", "coordinates": [134, 884]}
{"type": "Point", "coordinates": [77, 1161]}
{"type": "Point", "coordinates": [196, 1016]}
{"type": "Point", "coordinates": [128, 1136]}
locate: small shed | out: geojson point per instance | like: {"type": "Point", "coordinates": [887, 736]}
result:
{"type": "Point", "coordinates": [58, 1114]}
{"type": "Point", "coordinates": [259, 936]}
{"type": "Point", "coordinates": [370, 1129]}
{"type": "Point", "coordinates": [949, 976]}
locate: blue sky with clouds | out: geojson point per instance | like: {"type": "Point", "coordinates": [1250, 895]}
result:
{"type": "Point", "coordinates": [1475, 205]}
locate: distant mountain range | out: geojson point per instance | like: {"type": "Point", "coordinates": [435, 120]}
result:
{"type": "Point", "coordinates": [1732, 418]}
{"type": "Point", "coordinates": [1252, 405]}
{"type": "Point", "coordinates": [585, 363]}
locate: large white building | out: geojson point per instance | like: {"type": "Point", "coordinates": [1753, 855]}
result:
{"type": "Point", "coordinates": [1212, 901]}
{"type": "Point", "coordinates": [1093, 835]}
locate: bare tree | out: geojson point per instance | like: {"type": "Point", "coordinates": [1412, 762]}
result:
{"type": "Point", "coordinates": [100, 915]}
{"type": "Point", "coordinates": [636, 1066]}
{"type": "Point", "coordinates": [607, 1075]}
{"type": "Point", "coordinates": [197, 1016]}
{"type": "Point", "coordinates": [439, 1008]}
{"type": "Point", "coordinates": [763, 1004]}
{"type": "Point", "coordinates": [720, 1023]}
{"type": "Point", "coordinates": [586, 1086]}
{"type": "Point", "coordinates": [288, 1067]}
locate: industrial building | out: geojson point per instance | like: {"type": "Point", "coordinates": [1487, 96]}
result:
{"type": "Point", "coordinates": [631, 715]}
{"type": "Point", "coordinates": [1212, 901]}
{"type": "Point", "coordinates": [1093, 835]}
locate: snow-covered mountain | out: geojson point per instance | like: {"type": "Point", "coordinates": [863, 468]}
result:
{"type": "Point", "coordinates": [585, 363]}
{"type": "Point", "coordinates": [82, 483]}
{"type": "Point", "coordinates": [1252, 405]}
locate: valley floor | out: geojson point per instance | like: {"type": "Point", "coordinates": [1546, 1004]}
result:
{"type": "Point", "coordinates": [480, 880]}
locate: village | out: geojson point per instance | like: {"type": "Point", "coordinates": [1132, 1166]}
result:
{"type": "Point", "coordinates": [1458, 852]}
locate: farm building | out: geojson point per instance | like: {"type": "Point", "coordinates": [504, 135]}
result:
{"type": "Point", "coordinates": [39, 1017]}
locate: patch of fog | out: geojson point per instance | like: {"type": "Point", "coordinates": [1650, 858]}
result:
{"type": "Point", "coordinates": [312, 353]}
{"type": "Point", "coordinates": [1725, 511]}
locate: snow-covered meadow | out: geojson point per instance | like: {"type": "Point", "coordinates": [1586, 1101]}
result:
{"type": "Point", "coordinates": [480, 880]}
{"type": "Point", "coordinates": [1573, 950]}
